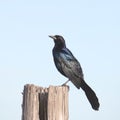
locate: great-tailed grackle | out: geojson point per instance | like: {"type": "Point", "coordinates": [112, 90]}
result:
{"type": "Point", "coordinates": [68, 66]}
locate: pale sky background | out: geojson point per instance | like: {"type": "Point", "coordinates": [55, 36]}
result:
{"type": "Point", "coordinates": [91, 29]}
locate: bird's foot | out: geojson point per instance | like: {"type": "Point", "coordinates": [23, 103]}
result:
{"type": "Point", "coordinates": [65, 82]}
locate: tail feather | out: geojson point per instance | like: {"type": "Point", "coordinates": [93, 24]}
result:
{"type": "Point", "coordinates": [76, 82]}
{"type": "Point", "coordinates": [90, 95]}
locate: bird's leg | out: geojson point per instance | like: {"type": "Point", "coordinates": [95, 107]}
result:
{"type": "Point", "coordinates": [65, 82]}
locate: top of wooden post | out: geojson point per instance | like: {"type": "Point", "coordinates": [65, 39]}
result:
{"type": "Point", "coordinates": [41, 103]}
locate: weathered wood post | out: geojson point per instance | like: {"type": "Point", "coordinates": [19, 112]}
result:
{"type": "Point", "coordinates": [45, 103]}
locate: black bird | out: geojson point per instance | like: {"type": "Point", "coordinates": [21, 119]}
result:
{"type": "Point", "coordinates": [68, 66]}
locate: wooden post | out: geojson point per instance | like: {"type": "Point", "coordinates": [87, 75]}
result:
{"type": "Point", "coordinates": [45, 103]}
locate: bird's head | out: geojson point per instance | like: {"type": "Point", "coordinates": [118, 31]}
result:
{"type": "Point", "coordinates": [58, 40]}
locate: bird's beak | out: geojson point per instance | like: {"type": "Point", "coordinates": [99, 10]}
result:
{"type": "Point", "coordinates": [53, 37]}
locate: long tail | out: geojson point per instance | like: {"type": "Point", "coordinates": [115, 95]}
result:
{"type": "Point", "coordinates": [90, 95]}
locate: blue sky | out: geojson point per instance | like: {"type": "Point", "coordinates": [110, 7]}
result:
{"type": "Point", "coordinates": [92, 32]}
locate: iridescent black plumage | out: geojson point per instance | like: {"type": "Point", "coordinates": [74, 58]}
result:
{"type": "Point", "coordinates": [68, 66]}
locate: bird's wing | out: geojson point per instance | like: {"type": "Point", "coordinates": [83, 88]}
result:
{"type": "Point", "coordinates": [71, 67]}
{"type": "Point", "coordinates": [70, 64]}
